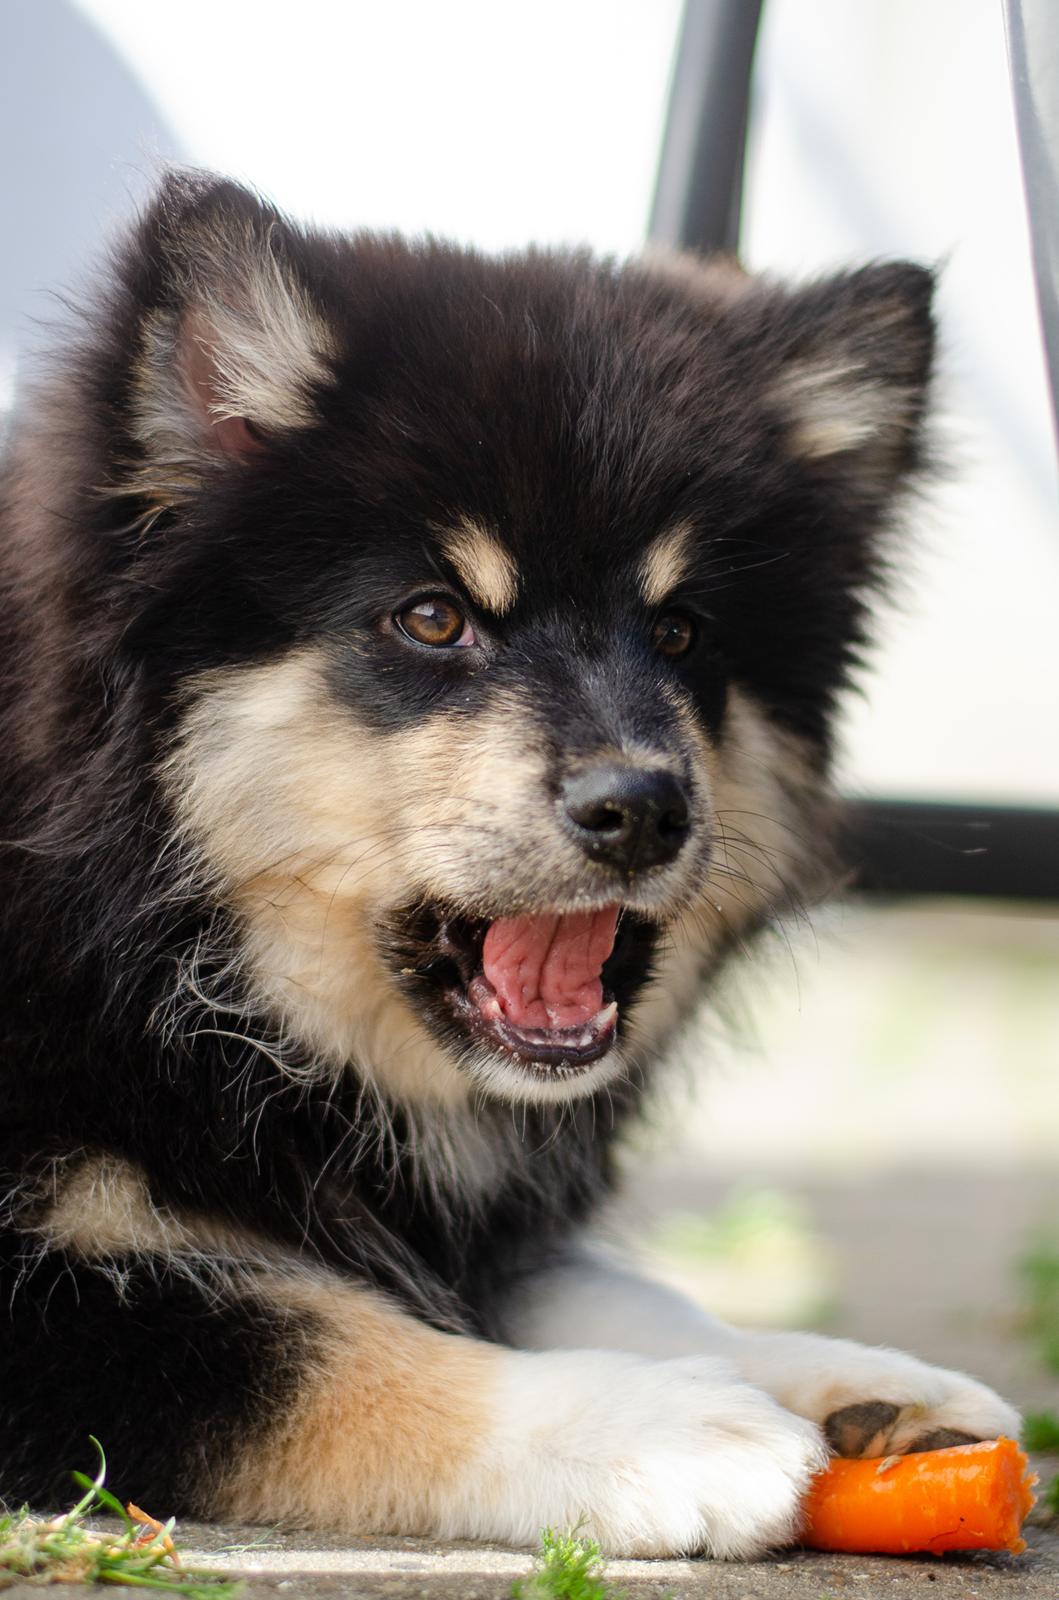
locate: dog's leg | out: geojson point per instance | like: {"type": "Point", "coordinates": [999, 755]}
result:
{"type": "Point", "coordinates": [261, 1396]}
{"type": "Point", "coordinates": [868, 1401]}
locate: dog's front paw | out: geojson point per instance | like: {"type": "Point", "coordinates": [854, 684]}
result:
{"type": "Point", "coordinates": [873, 1402]}
{"type": "Point", "coordinates": [660, 1458]}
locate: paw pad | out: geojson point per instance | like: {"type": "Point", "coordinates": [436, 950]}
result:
{"type": "Point", "coordinates": [941, 1439]}
{"type": "Point", "coordinates": [861, 1429]}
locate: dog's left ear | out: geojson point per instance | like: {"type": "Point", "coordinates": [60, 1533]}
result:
{"type": "Point", "coordinates": [230, 347]}
{"type": "Point", "coordinates": [853, 356]}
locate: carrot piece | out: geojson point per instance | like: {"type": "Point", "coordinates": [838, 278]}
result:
{"type": "Point", "coordinates": [151, 1529]}
{"type": "Point", "coordinates": [968, 1497]}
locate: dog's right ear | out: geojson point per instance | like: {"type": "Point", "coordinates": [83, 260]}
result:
{"type": "Point", "coordinates": [854, 355]}
{"type": "Point", "coordinates": [230, 347]}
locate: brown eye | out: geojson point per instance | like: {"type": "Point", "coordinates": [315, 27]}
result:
{"type": "Point", "coordinates": [435, 621]}
{"type": "Point", "coordinates": [673, 634]}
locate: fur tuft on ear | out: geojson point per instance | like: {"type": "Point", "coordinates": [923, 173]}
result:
{"type": "Point", "coordinates": [856, 356]}
{"type": "Point", "coordinates": [231, 346]}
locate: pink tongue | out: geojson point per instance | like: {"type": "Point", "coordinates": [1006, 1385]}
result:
{"type": "Point", "coordinates": [547, 970]}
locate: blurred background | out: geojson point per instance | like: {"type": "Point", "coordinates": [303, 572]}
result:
{"type": "Point", "coordinates": [872, 1142]}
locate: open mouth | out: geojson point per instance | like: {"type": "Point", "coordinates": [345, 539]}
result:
{"type": "Point", "coordinates": [546, 990]}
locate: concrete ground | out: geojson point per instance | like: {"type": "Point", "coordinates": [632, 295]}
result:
{"type": "Point", "coordinates": [292, 1565]}
{"type": "Point", "coordinates": [922, 1261]}
{"type": "Point", "coordinates": [413, 1569]}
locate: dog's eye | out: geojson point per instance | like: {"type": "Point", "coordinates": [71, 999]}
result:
{"type": "Point", "coordinates": [673, 634]}
{"type": "Point", "coordinates": [435, 621]}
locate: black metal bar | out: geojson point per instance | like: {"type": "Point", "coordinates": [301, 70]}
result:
{"type": "Point", "coordinates": [698, 191]}
{"type": "Point", "coordinates": [902, 847]}
{"type": "Point", "coordinates": [1033, 57]}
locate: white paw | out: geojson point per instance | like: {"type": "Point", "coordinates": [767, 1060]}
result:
{"type": "Point", "coordinates": [652, 1458]}
{"type": "Point", "coordinates": [873, 1402]}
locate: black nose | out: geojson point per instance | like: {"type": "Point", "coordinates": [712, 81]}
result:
{"type": "Point", "coordinates": [630, 817]}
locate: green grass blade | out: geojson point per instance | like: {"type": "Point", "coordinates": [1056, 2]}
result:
{"type": "Point", "coordinates": [1040, 1431]}
{"type": "Point", "coordinates": [63, 1549]}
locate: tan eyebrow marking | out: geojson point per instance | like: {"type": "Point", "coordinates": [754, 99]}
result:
{"type": "Point", "coordinates": [486, 570]}
{"type": "Point", "coordinates": [666, 562]}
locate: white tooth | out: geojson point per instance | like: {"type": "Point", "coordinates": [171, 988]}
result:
{"type": "Point", "coordinates": [603, 1019]}
{"type": "Point", "coordinates": [584, 1039]}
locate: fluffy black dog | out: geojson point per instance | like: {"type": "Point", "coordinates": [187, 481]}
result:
{"type": "Point", "coordinates": [418, 674]}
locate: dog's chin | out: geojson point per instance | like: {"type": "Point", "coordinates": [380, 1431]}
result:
{"type": "Point", "coordinates": [437, 955]}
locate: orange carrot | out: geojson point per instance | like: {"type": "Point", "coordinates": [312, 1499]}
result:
{"type": "Point", "coordinates": [968, 1497]}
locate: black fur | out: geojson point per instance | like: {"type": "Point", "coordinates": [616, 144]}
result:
{"type": "Point", "coordinates": [578, 407]}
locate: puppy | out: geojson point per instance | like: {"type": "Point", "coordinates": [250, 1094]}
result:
{"type": "Point", "coordinates": [419, 678]}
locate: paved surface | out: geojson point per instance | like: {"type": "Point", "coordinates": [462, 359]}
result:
{"type": "Point", "coordinates": [417, 1570]}
{"type": "Point", "coordinates": [413, 1569]}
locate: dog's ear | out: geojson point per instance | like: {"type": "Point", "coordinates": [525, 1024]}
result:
{"type": "Point", "coordinates": [230, 347]}
{"type": "Point", "coordinates": [853, 357]}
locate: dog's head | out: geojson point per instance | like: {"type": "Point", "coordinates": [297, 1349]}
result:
{"type": "Point", "coordinates": [500, 608]}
